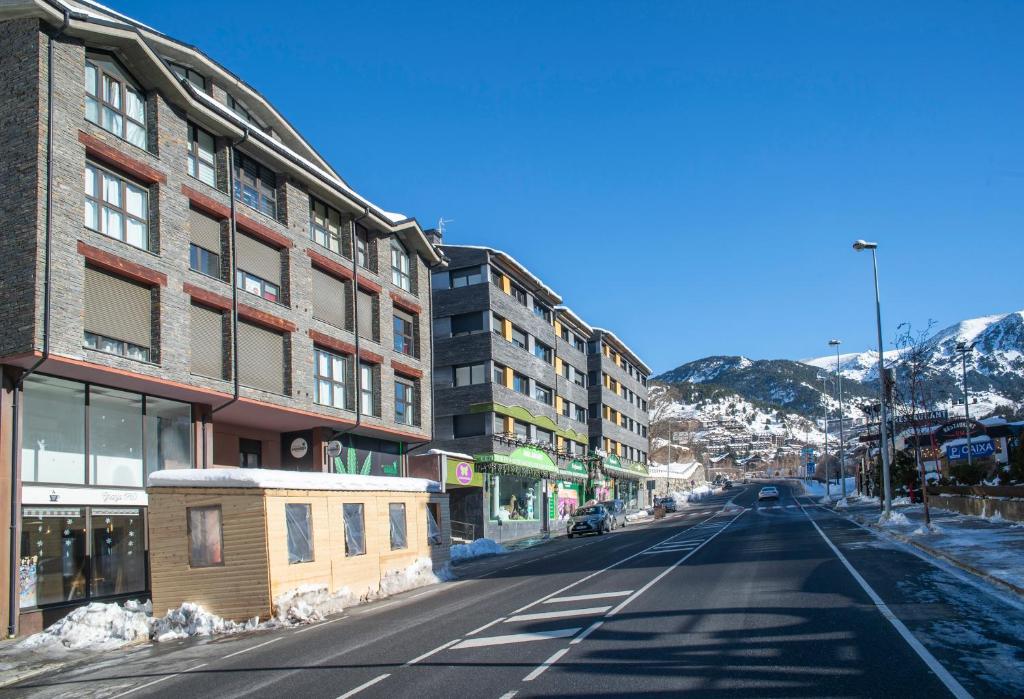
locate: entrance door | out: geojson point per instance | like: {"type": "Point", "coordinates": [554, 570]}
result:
{"type": "Point", "coordinates": [250, 453]}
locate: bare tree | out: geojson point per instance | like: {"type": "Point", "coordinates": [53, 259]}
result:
{"type": "Point", "coordinates": [914, 393]}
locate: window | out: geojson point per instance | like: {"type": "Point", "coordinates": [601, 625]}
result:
{"type": "Point", "coordinates": [405, 409]}
{"type": "Point", "coordinates": [580, 378]}
{"type": "Point", "coordinates": [396, 516]}
{"type": "Point", "coordinates": [205, 536]}
{"type": "Point", "coordinates": [240, 109]}
{"type": "Point", "coordinates": [250, 453]}
{"type": "Point", "coordinates": [520, 339]}
{"type": "Point", "coordinates": [112, 101]}
{"type": "Point", "coordinates": [117, 315]}
{"type": "Point", "coordinates": [566, 370]}
{"type": "Point", "coordinates": [565, 335]}
{"type": "Point", "coordinates": [186, 73]}
{"type": "Point", "coordinates": [542, 393]}
{"type": "Point", "coordinates": [400, 266]}
{"type": "Point", "coordinates": [330, 379]}
{"type": "Point", "coordinates": [116, 207]}
{"type": "Point", "coordinates": [470, 374]}
{"type": "Point", "coordinates": [464, 277]}
{"type": "Point", "coordinates": [362, 247]}
{"type": "Point", "coordinates": [542, 351]}
{"type": "Point", "coordinates": [518, 294]}
{"type": "Point", "coordinates": [201, 161]}
{"type": "Point", "coordinates": [467, 323]}
{"type": "Point", "coordinates": [255, 185]}
{"type": "Point", "coordinates": [578, 344]}
{"type": "Point", "coordinates": [522, 430]}
{"type": "Point", "coordinates": [566, 408]}
{"type": "Point", "coordinates": [366, 401]}
{"type": "Point", "coordinates": [405, 334]}
{"type": "Point", "coordinates": [109, 345]}
{"type": "Point", "coordinates": [581, 414]}
{"type": "Point", "coordinates": [520, 384]}
{"type": "Point", "coordinates": [115, 438]}
{"type": "Point", "coordinates": [433, 524]}
{"type": "Point", "coordinates": [325, 226]}
{"type": "Point", "coordinates": [541, 311]}
{"type": "Point", "coordinates": [331, 300]}
{"type": "Point", "coordinates": [203, 261]}
{"type": "Point", "coordinates": [545, 436]}
{"type": "Point", "coordinates": [497, 324]}
{"type": "Point", "coordinates": [468, 425]}
{"type": "Point", "coordinates": [298, 519]}
{"type": "Point", "coordinates": [498, 375]}
{"type": "Point", "coordinates": [256, 285]}
{"type": "Point", "coordinates": [369, 323]}
{"type": "Point", "coordinates": [355, 528]}
{"type": "Point", "coordinates": [261, 358]}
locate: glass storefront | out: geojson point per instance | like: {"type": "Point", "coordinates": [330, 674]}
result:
{"type": "Point", "coordinates": [514, 498]}
{"type": "Point", "coordinates": [564, 498]}
{"type": "Point", "coordinates": [73, 554]}
{"type": "Point", "coordinates": [629, 492]}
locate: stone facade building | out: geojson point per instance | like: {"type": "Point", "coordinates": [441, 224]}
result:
{"type": "Point", "coordinates": [155, 321]}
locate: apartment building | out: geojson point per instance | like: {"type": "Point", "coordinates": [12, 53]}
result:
{"type": "Point", "coordinates": [186, 284]}
{"type": "Point", "coordinates": [618, 414]}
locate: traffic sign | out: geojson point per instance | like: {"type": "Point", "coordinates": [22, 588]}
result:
{"type": "Point", "coordinates": [810, 469]}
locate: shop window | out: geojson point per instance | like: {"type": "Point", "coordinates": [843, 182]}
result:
{"type": "Point", "coordinates": [396, 516]}
{"type": "Point", "coordinates": [433, 524]}
{"type": "Point", "coordinates": [168, 434]}
{"type": "Point", "coordinates": [54, 543]}
{"type": "Point", "coordinates": [53, 436]}
{"type": "Point", "coordinates": [118, 551]}
{"type": "Point", "coordinates": [299, 522]}
{"type": "Point", "coordinates": [205, 536]}
{"type": "Point", "coordinates": [355, 528]}
{"type": "Point", "coordinates": [115, 438]}
{"type": "Point", "coordinates": [514, 498]}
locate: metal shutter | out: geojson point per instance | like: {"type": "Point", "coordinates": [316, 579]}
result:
{"type": "Point", "coordinates": [329, 299]}
{"type": "Point", "coordinates": [204, 231]}
{"type": "Point", "coordinates": [117, 308]}
{"type": "Point", "coordinates": [259, 259]}
{"type": "Point", "coordinates": [207, 342]}
{"type": "Point", "coordinates": [366, 316]}
{"type": "Point", "coordinates": [260, 358]}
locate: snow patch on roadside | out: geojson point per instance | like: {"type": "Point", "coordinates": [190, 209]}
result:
{"type": "Point", "coordinates": [476, 549]}
{"type": "Point", "coordinates": [96, 626]}
{"type": "Point", "coordinates": [190, 619]}
{"type": "Point", "coordinates": [895, 519]}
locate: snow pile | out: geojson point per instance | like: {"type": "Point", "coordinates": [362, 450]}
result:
{"type": "Point", "coordinates": [418, 574]}
{"type": "Point", "coordinates": [309, 603]}
{"type": "Point", "coordinates": [636, 516]}
{"type": "Point", "coordinates": [842, 504]}
{"type": "Point", "coordinates": [896, 519]}
{"type": "Point", "coordinates": [271, 479]}
{"type": "Point", "coordinates": [825, 500]}
{"type": "Point", "coordinates": [923, 530]}
{"type": "Point", "coordinates": [190, 619]}
{"type": "Point", "coordinates": [477, 549]}
{"type": "Point", "coordinates": [98, 626]}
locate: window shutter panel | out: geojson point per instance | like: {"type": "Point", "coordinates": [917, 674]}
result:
{"type": "Point", "coordinates": [207, 342]}
{"type": "Point", "coordinates": [366, 320]}
{"type": "Point", "coordinates": [117, 308]}
{"type": "Point", "coordinates": [329, 302]}
{"type": "Point", "coordinates": [260, 358]}
{"type": "Point", "coordinates": [259, 259]}
{"type": "Point", "coordinates": [204, 231]}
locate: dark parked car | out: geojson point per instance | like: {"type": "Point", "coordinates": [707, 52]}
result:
{"type": "Point", "coordinates": [617, 511]}
{"type": "Point", "coordinates": [669, 504]}
{"type": "Point", "coordinates": [726, 485]}
{"type": "Point", "coordinates": [592, 519]}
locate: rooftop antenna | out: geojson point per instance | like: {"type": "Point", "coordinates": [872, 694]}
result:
{"type": "Point", "coordinates": [440, 224]}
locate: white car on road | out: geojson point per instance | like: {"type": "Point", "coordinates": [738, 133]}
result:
{"type": "Point", "coordinates": [769, 492]}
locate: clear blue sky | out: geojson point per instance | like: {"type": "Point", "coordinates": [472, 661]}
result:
{"type": "Point", "coordinates": [689, 174]}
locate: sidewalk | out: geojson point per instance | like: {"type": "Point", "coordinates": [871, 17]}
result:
{"type": "Point", "coordinates": [990, 548]}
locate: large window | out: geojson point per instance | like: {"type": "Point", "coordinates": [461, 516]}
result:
{"type": "Point", "coordinates": [298, 519]}
{"type": "Point", "coordinates": [355, 528]}
{"type": "Point", "coordinates": [367, 404]}
{"type": "Point", "coordinates": [396, 517]}
{"type": "Point", "coordinates": [205, 536]}
{"type": "Point", "coordinates": [542, 351]}
{"type": "Point", "coordinates": [581, 414]}
{"type": "Point", "coordinates": [331, 379]}
{"type": "Point", "coordinates": [520, 384]}
{"type": "Point", "coordinates": [543, 393]}
{"type": "Point", "coordinates": [469, 374]}
{"type": "Point", "coordinates": [185, 73]}
{"type": "Point", "coordinates": [202, 163]}
{"type": "Point", "coordinates": [520, 339]}
{"type": "Point", "coordinates": [110, 345]}
{"type": "Point", "coordinates": [204, 261]}
{"type": "Point", "coordinates": [400, 276]}
{"type": "Point", "coordinates": [363, 258]}
{"type": "Point", "coordinates": [541, 311]}
{"type": "Point", "coordinates": [257, 285]}
{"type": "Point", "coordinates": [115, 438]}
{"type": "Point", "coordinates": [53, 437]}
{"type": "Point", "coordinates": [469, 425]}
{"type": "Point", "coordinates": [465, 277]}
{"type": "Point", "coordinates": [514, 497]}
{"type": "Point", "coordinates": [405, 405]}
{"type": "Point", "coordinates": [522, 430]}
{"type": "Point", "coordinates": [255, 185]}
{"type": "Point", "coordinates": [168, 434]}
{"type": "Point", "coordinates": [325, 227]}
{"type": "Point", "coordinates": [499, 374]}
{"type": "Point", "coordinates": [433, 524]}
{"type": "Point", "coordinates": [518, 294]}
{"type": "Point", "coordinates": [116, 207]}
{"type": "Point", "coordinates": [405, 333]}
{"type": "Point", "coordinates": [467, 323]}
{"type": "Point", "coordinates": [112, 101]}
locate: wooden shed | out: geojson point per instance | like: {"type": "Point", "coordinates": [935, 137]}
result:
{"type": "Point", "coordinates": [234, 540]}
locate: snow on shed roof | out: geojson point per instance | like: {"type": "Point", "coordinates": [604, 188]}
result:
{"type": "Point", "coordinates": [272, 479]}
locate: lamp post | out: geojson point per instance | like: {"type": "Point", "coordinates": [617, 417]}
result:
{"type": "Point", "coordinates": [860, 245]}
{"type": "Point", "coordinates": [963, 348]}
{"type": "Point", "coordinates": [824, 403]}
{"type": "Point", "coordinates": [842, 440]}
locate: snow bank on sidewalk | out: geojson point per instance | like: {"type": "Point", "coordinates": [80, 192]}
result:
{"type": "Point", "coordinates": [476, 549]}
{"type": "Point", "coordinates": [190, 619]}
{"type": "Point", "coordinates": [895, 519]}
{"type": "Point", "coordinates": [97, 626]}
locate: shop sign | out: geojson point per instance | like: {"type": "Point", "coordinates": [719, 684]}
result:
{"type": "Point", "coordinates": [613, 461]}
{"type": "Point", "coordinates": [46, 495]}
{"type": "Point", "coordinates": [460, 472]}
{"type": "Point", "coordinates": [577, 466]}
{"type": "Point", "coordinates": [299, 447]}
{"type": "Point", "coordinates": [957, 429]}
{"type": "Point", "coordinates": [981, 448]}
{"type": "Point", "coordinates": [921, 418]}
{"type": "Point", "coordinates": [526, 457]}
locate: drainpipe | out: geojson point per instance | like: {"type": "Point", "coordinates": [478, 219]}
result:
{"type": "Point", "coordinates": [12, 610]}
{"type": "Point", "coordinates": [234, 275]}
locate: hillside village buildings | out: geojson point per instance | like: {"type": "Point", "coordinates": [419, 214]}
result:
{"type": "Point", "coordinates": [204, 290]}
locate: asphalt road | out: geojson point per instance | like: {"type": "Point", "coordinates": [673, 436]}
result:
{"type": "Point", "coordinates": [728, 598]}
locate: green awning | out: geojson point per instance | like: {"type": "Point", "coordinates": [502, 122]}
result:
{"type": "Point", "coordinates": [524, 461]}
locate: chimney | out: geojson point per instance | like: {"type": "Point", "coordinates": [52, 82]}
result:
{"type": "Point", "coordinates": [433, 235]}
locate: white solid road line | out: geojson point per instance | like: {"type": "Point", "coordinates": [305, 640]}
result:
{"type": "Point", "coordinates": [560, 614]}
{"type": "Point", "coordinates": [150, 684]}
{"type": "Point", "coordinates": [539, 670]}
{"type": "Point", "coordinates": [488, 625]}
{"type": "Point", "coordinates": [364, 685]}
{"type": "Point", "coordinates": [246, 650]}
{"type": "Point", "coordinates": [580, 598]}
{"type": "Point", "coordinates": [431, 652]}
{"type": "Point", "coordinates": [589, 630]}
{"type": "Point", "coordinates": [516, 638]}
{"type": "Point", "coordinates": [954, 687]}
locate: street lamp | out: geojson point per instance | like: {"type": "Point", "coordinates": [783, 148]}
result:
{"type": "Point", "coordinates": [963, 348]}
{"type": "Point", "coordinates": [860, 245]}
{"type": "Point", "coordinates": [842, 440]}
{"type": "Point", "coordinates": [824, 402]}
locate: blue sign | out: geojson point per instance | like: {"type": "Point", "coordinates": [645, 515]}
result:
{"type": "Point", "coordinates": [957, 452]}
{"type": "Point", "coordinates": [810, 469]}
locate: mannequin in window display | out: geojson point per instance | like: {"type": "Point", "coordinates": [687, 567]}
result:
{"type": "Point", "coordinates": [529, 503]}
